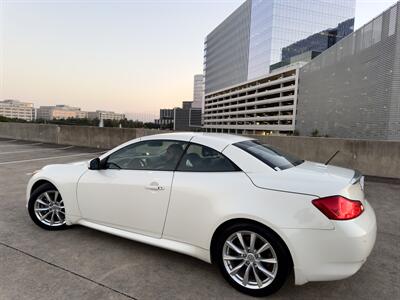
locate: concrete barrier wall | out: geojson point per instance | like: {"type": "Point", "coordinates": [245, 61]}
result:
{"type": "Point", "coordinates": [374, 158]}
{"type": "Point", "coordinates": [85, 136]}
{"type": "Point", "coordinates": [30, 132]}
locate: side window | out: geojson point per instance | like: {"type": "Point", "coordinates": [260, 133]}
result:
{"type": "Point", "coordinates": [200, 158]}
{"type": "Point", "coordinates": [160, 155]}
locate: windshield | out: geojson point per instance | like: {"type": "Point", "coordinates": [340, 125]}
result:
{"type": "Point", "coordinates": [274, 158]}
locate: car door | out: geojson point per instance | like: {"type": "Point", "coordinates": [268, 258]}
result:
{"type": "Point", "coordinates": [132, 190]}
{"type": "Point", "coordinates": [206, 185]}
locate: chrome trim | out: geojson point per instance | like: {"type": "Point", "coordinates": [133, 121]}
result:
{"type": "Point", "coordinates": [356, 178]}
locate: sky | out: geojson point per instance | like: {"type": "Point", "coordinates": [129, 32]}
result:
{"type": "Point", "coordinates": [130, 56]}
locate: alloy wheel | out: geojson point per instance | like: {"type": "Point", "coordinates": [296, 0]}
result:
{"type": "Point", "coordinates": [49, 208]}
{"type": "Point", "coordinates": [250, 260]}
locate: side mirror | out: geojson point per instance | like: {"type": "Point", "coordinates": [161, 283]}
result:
{"type": "Point", "coordinates": [95, 164]}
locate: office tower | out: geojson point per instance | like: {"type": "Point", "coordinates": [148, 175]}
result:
{"type": "Point", "coordinates": [352, 90]}
{"type": "Point", "coordinates": [251, 39]}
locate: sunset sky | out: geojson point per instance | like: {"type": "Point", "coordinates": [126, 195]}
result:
{"type": "Point", "coordinates": [126, 56]}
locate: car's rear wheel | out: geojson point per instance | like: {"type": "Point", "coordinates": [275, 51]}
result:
{"type": "Point", "coordinates": [46, 208]}
{"type": "Point", "coordinates": [252, 259]}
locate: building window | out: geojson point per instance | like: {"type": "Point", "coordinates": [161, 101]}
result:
{"type": "Point", "coordinates": [392, 21]}
{"type": "Point", "coordinates": [367, 36]}
{"type": "Point", "coordinates": [377, 30]}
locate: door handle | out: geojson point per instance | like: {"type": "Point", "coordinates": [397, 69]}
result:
{"type": "Point", "coordinates": [154, 186]}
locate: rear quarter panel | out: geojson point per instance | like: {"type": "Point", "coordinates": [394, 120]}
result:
{"type": "Point", "coordinates": [200, 202]}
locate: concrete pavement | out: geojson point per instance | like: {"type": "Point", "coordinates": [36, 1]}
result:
{"type": "Point", "coordinates": [81, 263]}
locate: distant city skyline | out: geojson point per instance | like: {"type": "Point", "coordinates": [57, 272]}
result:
{"type": "Point", "coordinates": [132, 57]}
{"type": "Point", "coordinates": [136, 116]}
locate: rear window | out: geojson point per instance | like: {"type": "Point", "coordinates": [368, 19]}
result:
{"type": "Point", "coordinates": [274, 158]}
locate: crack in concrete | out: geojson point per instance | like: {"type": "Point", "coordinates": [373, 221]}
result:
{"type": "Point", "coordinates": [66, 270]}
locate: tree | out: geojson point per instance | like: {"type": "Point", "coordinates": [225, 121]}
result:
{"type": "Point", "coordinates": [315, 133]}
{"type": "Point", "coordinates": [5, 119]}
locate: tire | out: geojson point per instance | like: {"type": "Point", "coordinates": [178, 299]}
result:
{"type": "Point", "coordinates": [275, 259]}
{"type": "Point", "coordinates": [44, 211]}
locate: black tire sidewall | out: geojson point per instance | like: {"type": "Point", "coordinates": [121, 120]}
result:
{"type": "Point", "coordinates": [31, 203]}
{"type": "Point", "coordinates": [284, 260]}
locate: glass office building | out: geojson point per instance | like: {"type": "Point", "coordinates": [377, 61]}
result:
{"type": "Point", "coordinates": [352, 90]}
{"type": "Point", "coordinates": [318, 42]}
{"type": "Point", "coordinates": [251, 39]}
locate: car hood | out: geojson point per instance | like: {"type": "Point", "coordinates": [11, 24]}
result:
{"type": "Point", "coordinates": [80, 163]}
{"type": "Point", "coordinates": [307, 178]}
{"type": "Point", "coordinates": [78, 166]}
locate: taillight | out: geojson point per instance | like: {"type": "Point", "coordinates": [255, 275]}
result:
{"type": "Point", "coordinates": [339, 208]}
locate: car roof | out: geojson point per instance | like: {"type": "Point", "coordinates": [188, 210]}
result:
{"type": "Point", "coordinates": [218, 141]}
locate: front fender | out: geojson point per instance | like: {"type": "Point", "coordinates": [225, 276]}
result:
{"type": "Point", "coordinates": [65, 178]}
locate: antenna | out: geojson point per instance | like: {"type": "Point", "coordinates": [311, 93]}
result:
{"type": "Point", "coordinates": [329, 160]}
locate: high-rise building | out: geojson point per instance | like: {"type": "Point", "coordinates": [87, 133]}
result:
{"type": "Point", "coordinates": [352, 90]}
{"type": "Point", "coordinates": [198, 91]}
{"type": "Point", "coordinates": [15, 109]}
{"type": "Point", "coordinates": [166, 119]}
{"type": "Point", "coordinates": [187, 118]}
{"type": "Point", "coordinates": [310, 47]}
{"type": "Point", "coordinates": [251, 39]}
{"type": "Point", "coordinates": [318, 42]}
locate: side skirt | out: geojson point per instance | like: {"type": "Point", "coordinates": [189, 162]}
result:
{"type": "Point", "coordinates": [175, 246]}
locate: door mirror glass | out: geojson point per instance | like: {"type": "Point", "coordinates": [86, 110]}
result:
{"type": "Point", "coordinates": [94, 164]}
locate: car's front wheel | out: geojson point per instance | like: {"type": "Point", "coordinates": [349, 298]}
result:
{"type": "Point", "coordinates": [46, 208]}
{"type": "Point", "coordinates": [252, 259]}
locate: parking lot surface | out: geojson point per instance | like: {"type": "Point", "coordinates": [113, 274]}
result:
{"type": "Point", "coordinates": [81, 263]}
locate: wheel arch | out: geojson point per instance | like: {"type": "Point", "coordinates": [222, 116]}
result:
{"type": "Point", "coordinates": [234, 221]}
{"type": "Point", "coordinates": [39, 183]}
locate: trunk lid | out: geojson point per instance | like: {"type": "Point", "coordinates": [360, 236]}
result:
{"type": "Point", "coordinates": [314, 179]}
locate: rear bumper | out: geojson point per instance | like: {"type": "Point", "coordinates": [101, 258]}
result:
{"type": "Point", "coordinates": [322, 255]}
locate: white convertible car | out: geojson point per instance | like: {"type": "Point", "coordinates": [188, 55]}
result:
{"type": "Point", "coordinates": [250, 209]}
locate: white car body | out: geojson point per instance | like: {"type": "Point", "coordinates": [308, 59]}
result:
{"type": "Point", "coordinates": [186, 212]}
